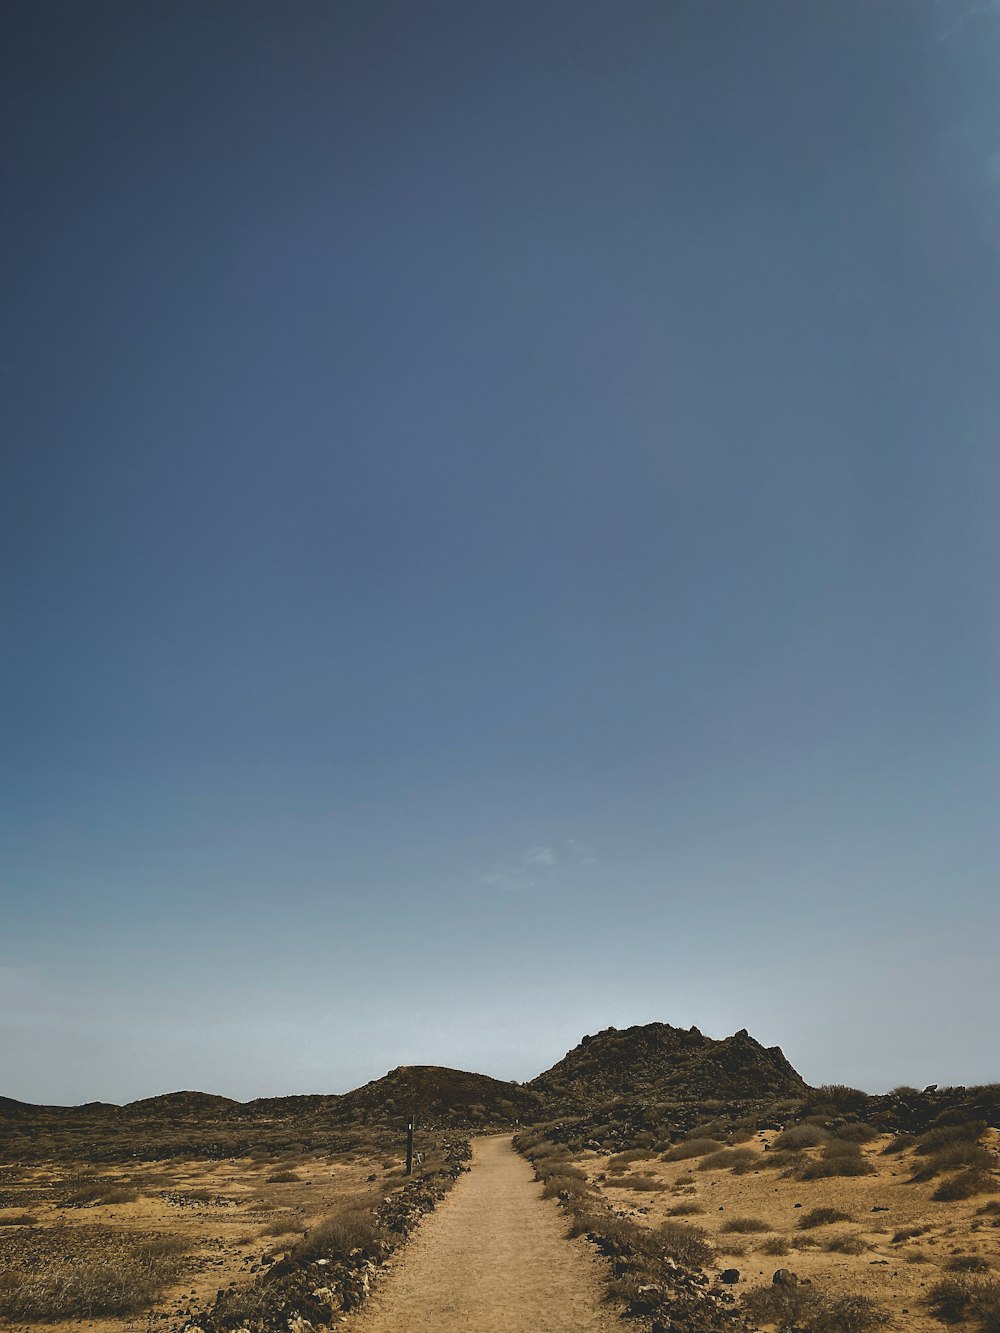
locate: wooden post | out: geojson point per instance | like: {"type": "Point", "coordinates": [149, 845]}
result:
{"type": "Point", "coordinates": [409, 1146]}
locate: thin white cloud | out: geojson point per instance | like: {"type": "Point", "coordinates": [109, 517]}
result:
{"type": "Point", "coordinates": [539, 856]}
{"type": "Point", "coordinates": [536, 867]}
{"type": "Point", "coordinates": [529, 870]}
{"type": "Point", "coordinates": [957, 17]}
{"type": "Point", "coordinates": [581, 853]}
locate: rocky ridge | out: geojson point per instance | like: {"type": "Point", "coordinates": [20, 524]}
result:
{"type": "Point", "coordinates": [655, 1062]}
{"type": "Point", "coordinates": [629, 1077]}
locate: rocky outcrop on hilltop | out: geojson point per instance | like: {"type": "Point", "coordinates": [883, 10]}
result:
{"type": "Point", "coordinates": [908, 1110]}
{"type": "Point", "coordinates": [201, 1125]}
{"type": "Point", "coordinates": [439, 1097]}
{"type": "Point", "coordinates": [651, 1083]}
{"type": "Point", "coordinates": [180, 1104]}
{"type": "Point", "coordinates": [655, 1063]}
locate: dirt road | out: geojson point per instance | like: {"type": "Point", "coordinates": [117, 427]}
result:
{"type": "Point", "coordinates": [492, 1259]}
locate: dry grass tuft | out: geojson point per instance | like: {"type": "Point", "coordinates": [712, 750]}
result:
{"type": "Point", "coordinates": [967, 1263]}
{"type": "Point", "coordinates": [680, 1152]}
{"type": "Point", "coordinates": [738, 1160]}
{"type": "Point", "coordinates": [120, 1278]}
{"type": "Point", "coordinates": [685, 1243]}
{"type": "Point", "coordinates": [353, 1227]}
{"type": "Point", "coordinates": [812, 1311]}
{"type": "Point", "coordinates": [745, 1225]}
{"type": "Point", "coordinates": [801, 1136]}
{"type": "Point", "coordinates": [838, 1159]}
{"type": "Point", "coordinates": [821, 1217]}
{"type": "Point", "coordinates": [846, 1243]}
{"type": "Point", "coordinates": [956, 1300]}
{"type": "Point", "coordinates": [964, 1185]}
{"type": "Point", "coordinates": [775, 1245]}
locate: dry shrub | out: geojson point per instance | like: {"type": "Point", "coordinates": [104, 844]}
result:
{"type": "Point", "coordinates": [123, 1280]}
{"type": "Point", "coordinates": [686, 1243]}
{"type": "Point", "coordinates": [956, 1299]}
{"type": "Point", "coordinates": [801, 1136]}
{"type": "Point", "coordinates": [848, 1314]}
{"type": "Point", "coordinates": [812, 1311]}
{"type": "Point", "coordinates": [857, 1132]}
{"type": "Point", "coordinates": [899, 1143]}
{"type": "Point", "coordinates": [18, 1220]}
{"type": "Point", "coordinates": [738, 1160]}
{"type": "Point", "coordinates": [353, 1227]}
{"type": "Point", "coordinates": [646, 1184]}
{"type": "Point", "coordinates": [787, 1160]}
{"type": "Point", "coordinates": [680, 1152]}
{"type": "Point", "coordinates": [745, 1225]}
{"type": "Point", "coordinates": [685, 1209]}
{"type": "Point", "coordinates": [964, 1154]}
{"type": "Point", "coordinates": [821, 1217]}
{"type": "Point", "coordinates": [283, 1178]}
{"type": "Point", "coordinates": [621, 1160]}
{"type": "Point", "coordinates": [846, 1243]}
{"type": "Point", "coordinates": [944, 1136]}
{"type": "Point", "coordinates": [841, 1097]}
{"type": "Point", "coordinates": [282, 1226]}
{"type": "Point", "coordinates": [950, 1158]}
{"type": "Point", "coordinates": [775, 1245]}
{"type": "Point", "coordinates": [907, 1233]}
{"type": "Point", "coordinates": [566, 1183]}
{"type": "Point", "coordinates": [583, 1222]}
{"type": "Point", "coordinates": [738, 1136]}
{"type": "Point", "coordinates": [967, 1263]}
{"type": "Point", "coordinates": [964, 1185]}
{"type": "Point", "coordinates": [102, 1192]}
{"type": "Point", "coordinates": [839, 1159]}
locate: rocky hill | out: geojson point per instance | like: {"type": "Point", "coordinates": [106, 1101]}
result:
{"type": "Point", "coordinates": [181, 1104]}
{"type": "Point", "coordinates": [659, 1063]}
{"type": "Point", "coordinates": [437, 1095]}
{"type": "Point", "coordinates": [669, 1074]}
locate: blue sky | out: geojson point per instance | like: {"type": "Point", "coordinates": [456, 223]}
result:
{"type": "Point", "coordinates": [499, 537]}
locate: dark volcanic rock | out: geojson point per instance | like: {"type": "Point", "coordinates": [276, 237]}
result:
{"type": "Point", "coordinates": [179, 1104]}
{"type": "Point", "coordinates": [439, 1097]}
{"type": "Point", "coordinates": [656, 1063]}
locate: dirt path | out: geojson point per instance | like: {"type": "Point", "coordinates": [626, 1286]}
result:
{"type": "Point", "coordinates": [492, 1258]}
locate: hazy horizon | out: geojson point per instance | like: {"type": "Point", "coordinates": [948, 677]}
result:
{"type": "Point", "coordinates": [519, 1079]}
{"type": "Point", "coordinates": [499, 537]}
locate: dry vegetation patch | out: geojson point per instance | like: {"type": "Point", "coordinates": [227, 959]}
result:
{"type": "Point", "coordinates": [162, 1238]}
{"type": "Point", "coordinates": [859, 1219]}
{"type": "Point", "coordinates": [810, 1310]}
{"type": "Point", "coordinates": [71, 1272]}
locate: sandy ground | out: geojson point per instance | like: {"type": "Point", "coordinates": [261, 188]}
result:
{"type": "Point", "coordinates": [879, 1206]}
{"type": "Point", "coordinates": [493, 1257]}
{"type": "Point", "coordinates": [228, 1212]}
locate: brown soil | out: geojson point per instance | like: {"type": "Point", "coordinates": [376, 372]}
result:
{"type": "Point", "coordinates": [493, 1257]}
{"type": "Point", "coordinates": [897, 1273]}
{"type": "Point", "coordinates": [228, 1213]}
